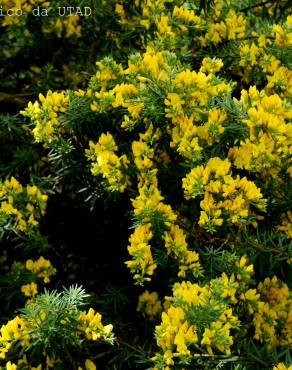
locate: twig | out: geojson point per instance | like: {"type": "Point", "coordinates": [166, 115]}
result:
{"type": "Point", "coordinates": [273, 250]}
{"type": "Point", "coordinates": [120, 341]}
{"type": "Point", "coordinates": [4, 97]}
{"type": "Point", "coordinates": [255, 5]}
{"type": "Point", "coordinates": [102, 354]}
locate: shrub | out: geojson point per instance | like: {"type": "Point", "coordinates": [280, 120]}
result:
{"type": "Point", "coordinates": [185, 124]}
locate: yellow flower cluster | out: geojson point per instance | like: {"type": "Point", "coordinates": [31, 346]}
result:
{"type": "Point", "coordinates": [41, 268]}
{"type": "Point", "coordinates": [283, 34]}
{"type": "Point", "coordinates": [148, 206]}
{"type": "Point", "coordinates": [225, 198]}
{"type": "Point", "coordinates": [260, 63]}
{"type": "Point", "coordinates": [172, 23]}
{"type": "Point", "coordinates": [30, 289]}
{"type": "Point", "coordinates": [21, 207]}
{"type": "Point", "coordinates": [205, 315]}
{"type": "Point", "coordinates": [194, 127]}
{"type": "Point", "coordinates": [151, 65]}
{"type": "Point", "coordinates": [15, 13]}
{"type": "Point", "coordinates": [144, 72]}
{"type": "Point", "coordinates": [150, 12]}
{"type": "Point", "coordinates": [282, 366]}
{"type": "Point", "coordinates": [268, 146]}
{"type": "Point", "coordinates": [21, 331]}
{"type": "Point", "coordinates": [107, 71]}
{"type": "Point", "coordinates": [286, 226]}
{"type": "Point", "coordinates": [249, 54]}
{"type": "Point", "coordinates": [149, 304]}
{"type": "Point", "coordinates": [211, 65]}
{"type": "Point", "coordinates": [14, 330]}
{"type": "Point", "coordinates": [142, 265]}
{"type": "Point", "coordinates": [244, 271]}
{"type": "Point", "coordinates": [280, 81]}
{"type": "Point", "coordinates": [186, 15]}
{"type": "Point", "coordinates": [143, 159]}
{"type": "Point", "coordinates": [105, 162]}
{"type": "Point", "coordinates": [150, 210]}
{"type": "Point", "coordinates": [126, 96]}
{"type": "Point", "coordinates": [65, 27]}
{"type": "Point", "coordinates": [23, 363]}
{"type": "Point", "coordinates": [15, 17]}
{"type": "Point", "coordinates": [198, 87]}
{"type": "Point", "coordinates": [196, 315]}
{"type": "Point", "coordinates": [45, 114]}
{"type": "Point", "coordinates": [92, 327]}
{"type": "Point", "coordinates": [273, 315]}
{"type": "Point", "coordinates": [175, 243]}
{"type": "Point", "coordinates": [231, 28]}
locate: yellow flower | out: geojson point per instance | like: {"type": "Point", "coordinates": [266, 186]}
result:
{"type": "Point", "coordinates": [174, 105]}
{"type": "Point", "coordinates": [92, 327]}
{"type": "Point", "coordinates": [89, 365]}
{"type": "Point", "coordinates": [45, 113]}
{"type": "Point", "coordinates": [186, 15]}
{"type": "Point", "coordinates": [10, 366]}
{"type": "Point", "coordinates": [273, 308]}
{"type": "Point", "coordinates": [250, 295]}
{"type": "Point", "coordinates": [42, 268]}
{"type": "Point", "coordinates": [211, 65]}
{"type": "Point", "coordinates": [142, 263]}
{"type": "Point", "coordinates": [150, 304]}
{"type": "Point", "coordinates": [282, 366]}
{"type": "Point", "coordinates": [29, 290]}
{"type": "Point", "coordinates": [106, 163]}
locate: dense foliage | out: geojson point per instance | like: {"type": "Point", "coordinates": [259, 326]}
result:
{"type": "Point", "coordinates": [155, 135]}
